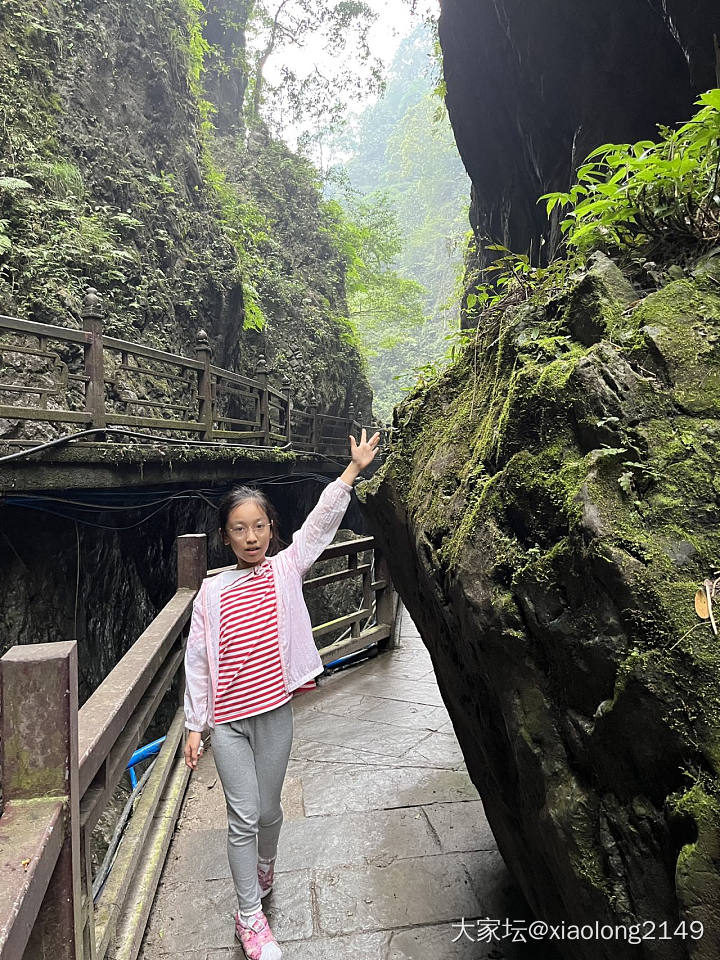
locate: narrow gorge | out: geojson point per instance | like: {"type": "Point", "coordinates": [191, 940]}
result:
{"type": "Point", "coordinates": [551, 502]}
{"type": "Point", "coordinates": [549, 498]}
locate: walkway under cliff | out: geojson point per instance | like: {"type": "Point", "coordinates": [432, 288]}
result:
{"type": "Point", "coordinates": [384, 847]}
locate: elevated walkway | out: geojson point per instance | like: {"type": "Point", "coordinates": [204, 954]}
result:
{"type": "Point", "coordinates": [84, 410]}
{"type": "Point", "coordinates": [384, 847]}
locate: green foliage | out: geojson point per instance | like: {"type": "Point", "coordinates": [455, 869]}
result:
{"type": "Point", "coordinates": [12, 185]}
{"type": "Point", "coordinates": [383, 304]}
{"type": "Point", "coordinates": [190, 41]}
{"type": "Point", "coordinates": [405, 164]}
{"type": "Point", "coordinates": [511, 278]}
{"type": "Point", "coordinates": [106, 204]}
{"type": "Point", "coordinates": [177, 222]}
{"type": "Point", "coordinates": [248, 230]}
{"type": "Point", "coordinates": [649, 193]}
{"type": "Point", "coordinates": [292, 249]}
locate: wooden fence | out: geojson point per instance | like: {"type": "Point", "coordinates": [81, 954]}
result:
{"type": "Point", "coordinates": [87, 379]}
{"type": "Point", "coordinates": [61, 766]}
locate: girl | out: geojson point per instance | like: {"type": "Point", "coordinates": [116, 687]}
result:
{"type": "Point", "coordinates": [249, 648]}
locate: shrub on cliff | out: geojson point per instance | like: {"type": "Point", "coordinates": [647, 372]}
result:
{"type": "Point", "coordinates": [646, 194]}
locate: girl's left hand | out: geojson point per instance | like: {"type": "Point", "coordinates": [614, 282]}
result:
{"type": "Point", "coordinates": [363, 453]}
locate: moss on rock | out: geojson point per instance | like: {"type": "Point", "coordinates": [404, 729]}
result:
{"type": "Point", "coordinates": [556, 494]}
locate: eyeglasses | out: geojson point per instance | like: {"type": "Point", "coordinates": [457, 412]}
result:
{"type": "Point", "coordinates": [259, 528]}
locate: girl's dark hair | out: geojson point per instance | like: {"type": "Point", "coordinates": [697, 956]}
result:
{"type": "Point", "coordinates": [239, 495]}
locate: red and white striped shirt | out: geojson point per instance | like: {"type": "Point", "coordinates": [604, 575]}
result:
{"type": "Point", "coordinates": [250, 676]}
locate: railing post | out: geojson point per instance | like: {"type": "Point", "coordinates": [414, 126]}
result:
{"type": "Point", "coordinates": [287, 390]}
{"type": "Point", "coordinates": [92, 317]}
{"type": "Point", "coordinates": [314, 426]}
{"type": "Point", "coordinates": [352, 564]}
{"type": "Point", "coordinates": [367, 590]}
{"type": "Point", "coordinates": [350, 421]}
{"type": "Point", "coordinates": [191, 560]}
{"type": "Point", "coordinates": [192, 567]}
{"type": "Point", "coordinates": [387, 439]}
{"type": "Point", "coordinates": [206, 413]}
{"type": "Point", "coordinates": [39, 727]}
{"type": "Point", "coordinates": [384, 599]}
{"type": "Point", "coordinates": [261, 374]}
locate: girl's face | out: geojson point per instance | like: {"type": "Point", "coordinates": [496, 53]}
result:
{"type": "Point", "coordinates": [248, 533]}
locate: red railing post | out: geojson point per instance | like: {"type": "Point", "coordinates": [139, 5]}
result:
{"type": "Point", "coordinates": [39, 727]}
{"type": "Point", "coordinates": [92, 317]}
{"type": "Point", "coordinates": [206, 413]}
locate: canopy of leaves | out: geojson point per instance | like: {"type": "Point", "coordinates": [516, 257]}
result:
{"type": "Point", "coordinates": [384, 305]}
{"type": "Point", "coordinates": [311, 89]}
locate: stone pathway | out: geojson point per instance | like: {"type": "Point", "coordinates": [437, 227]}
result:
{"type": "Point", "coordinates": [384, 848]}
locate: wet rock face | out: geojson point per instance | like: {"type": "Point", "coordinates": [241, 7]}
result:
{"type": "Point", "coordinates": [532, 88]}
{"type": "Point", "coordinates": [548, 511]}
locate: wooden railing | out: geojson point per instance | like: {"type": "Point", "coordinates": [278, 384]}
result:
{"type": "Point", "coordinates": [85, 378]}
{"type": "Point", "coordinates": [61, 766]}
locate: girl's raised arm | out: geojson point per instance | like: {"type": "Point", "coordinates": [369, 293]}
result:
{"type": "Point", "coordinates": [324, 519]}
{"type": "Point", "coordinates": [362, 455]}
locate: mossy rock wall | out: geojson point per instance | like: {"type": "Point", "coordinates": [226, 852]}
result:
{"type": "Point", "coordinates": [549, 509]}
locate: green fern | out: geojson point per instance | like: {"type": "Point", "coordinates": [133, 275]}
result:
{"type": "Point", "coordinates": [631, 195]}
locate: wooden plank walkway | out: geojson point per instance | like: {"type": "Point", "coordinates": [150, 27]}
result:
{"type": "Point", "coordinates": [384, 848]}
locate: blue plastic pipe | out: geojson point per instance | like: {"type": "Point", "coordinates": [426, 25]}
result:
{"type": "Point", "coordinates": [142, 753]}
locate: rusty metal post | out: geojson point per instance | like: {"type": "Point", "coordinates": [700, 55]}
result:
{"type": "Point", "coordinates": [206, 413]}
{"type": "Point", "coordinates": [92, 317]}
{"type": "Point", "coordinates": [261, 375]}
{"type": "Point", "coordinates": [39, 728]}
{"type": "Point", "coordinates": [191, 560]}
{"type": "Point", "coordinates": [287, 390]}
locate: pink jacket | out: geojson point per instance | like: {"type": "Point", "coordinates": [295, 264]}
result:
{"type": "Point", "coordinates": [298, 653]}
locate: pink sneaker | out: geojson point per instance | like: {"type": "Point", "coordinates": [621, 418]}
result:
{"type": "Point", "coordinates": [266, 878]}
{"type": "Point", "coordinates": [256, 938]}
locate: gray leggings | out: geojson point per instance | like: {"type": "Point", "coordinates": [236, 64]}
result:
{"type": "Point", "coordinates": [251, 756]}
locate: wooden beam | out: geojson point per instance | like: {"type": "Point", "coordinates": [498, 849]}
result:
{"type": "Point", "coordinates": [341, 622]}
{"type": "Point", "coordinates": [105, 714]}
{"type": "Point", "coordinates": [337, 577]}
{"type": "Point", "coordinates": [342, 648]}
{"type": "Point", "coordinates": [358, 545]}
